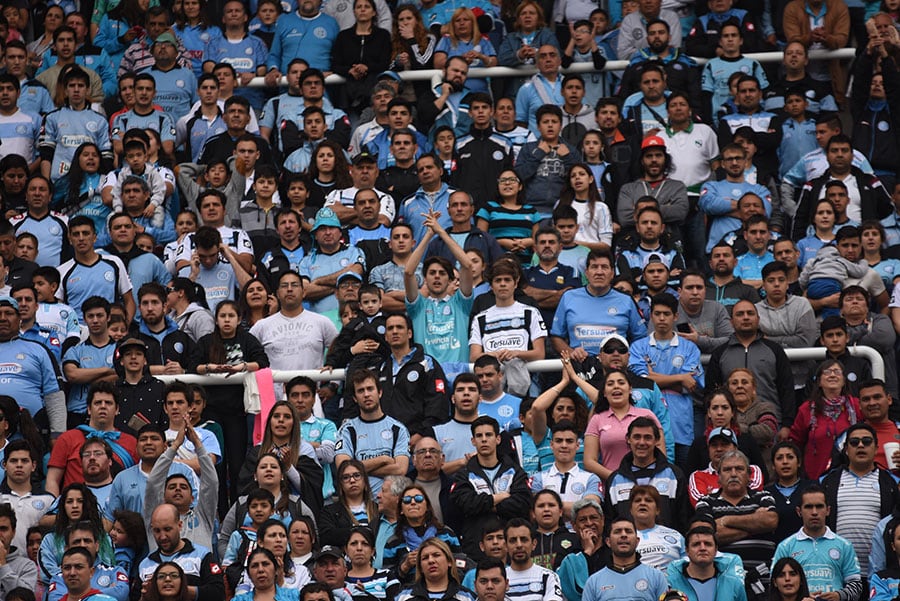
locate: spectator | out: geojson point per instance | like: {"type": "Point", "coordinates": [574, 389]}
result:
{"type": "Point", "coordinates": [595, 555]}
{"type": "Point", "coordinates": [623, 541]}
{"type": "Point", "coordinates": [354, 506]}
{"type": "Point", "coordinates": [702, 564]}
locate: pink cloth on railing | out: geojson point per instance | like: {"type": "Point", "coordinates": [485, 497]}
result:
{"type": "Point", "coordinates": [266, 399]}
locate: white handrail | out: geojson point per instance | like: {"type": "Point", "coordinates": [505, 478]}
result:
{"type": "Point", "coordinates": [544, 365]}
{"type": "Point", "coordinates": [616, 65]}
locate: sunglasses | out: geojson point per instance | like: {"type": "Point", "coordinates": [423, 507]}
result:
{"type": "Point", "coordinates": [615, 350]}
{"type": "Point", "coordinates": [417, 498]}
{"type": "Point", "coordinates": [857, 440]}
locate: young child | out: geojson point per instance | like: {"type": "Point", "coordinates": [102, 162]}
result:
{"type": "Point", "coordinates": [367, 327]}
{"type": "Point", "coordinates": [11, 14]}
{"type": "Point", "coordinates": [825, 274]}
{"type": "Point", "coordinates": [565, 220]}
{"type": "Point", "coordinates": [592, 151]}
{"type": "Point", "coordinates": [263, 24]}
{"type": "Point", "coordinates": [445, 149]}
{"type": "Point", "coordinates": [718, 71]}
{"type": "Point", "coordinates": [136, 164]}
{"type": "Point", "coordinates": [117, 327]}
{"type": "Point", "coordinates": [129, 537]}
{"type": "Point", "coordinates": [297, 191]}
{"type": "Point", "coordinates": [543, 165]}
{"type": "Point", "coordinates": [51, 313]}
{"type": "Point", "coordinates": [256, 215]}
{"type": "Point", "coordinates": [260, 507]}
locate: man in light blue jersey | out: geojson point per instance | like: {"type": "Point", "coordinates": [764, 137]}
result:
{"type": "Point", "coordinates": [176, 87]}
{"type": "Point", "coordinates": [30, 329]}
{"type": "Point", "coordinates": [321, 433]}
{"type": "Point", "coordinates": [33, 95]}
{"type": "Point", "coordinates": [207, 120]}
{"type": "Point", "coordinates": [626, 577]}
{"type": "Point", "coordinates": [308, 33]}
{"type": "Point", "coordinates": [500, 405]}
{"type": "Point", "coordinates": [70, 126]}
{"type": "Point", "coordinates": [214, 266]}
{"type": "Point", "coordinates": [89, 273]}
{"type": "Point", "coordinates": [49, 228]}
{"type": "Point", "coordinates": [829, 560]}
{"type": "Point", "coordinates": [586, 316]}
{"type": "Point", "coordinates": [91, 360]}
{"type": "Point", "coordinates": [130, 485]}
{"type": "Point", "coordinates": [455, 436]}
{"type": "Point", "coordinates": [18, 130]}
{"type": "Point", "coordinates": [144, 116]}
{"type": "Point", "coordinates": [380, 442]}
{"type": "Point", "coordinates": [440, 319]}
{"type": "Point", "coordinates": [106, 583]}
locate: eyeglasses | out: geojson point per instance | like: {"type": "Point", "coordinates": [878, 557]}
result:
{"type": "Point", "coordinates": [834, 371]}
{"type": "Point", "coordinates": [168, 576]}
{"type": "Point", "coordinates": [417, 498]}
{"type": "Point", "coordinates": [857, 440]}
{"type": "Point", "coordinates": [423, 452]}
{"type": "Point", "coordinates": [349, 477]}
{"type": "Point", "coordinates": [509, 180]}
{"type": "Point", "coordinates": [613, 350]}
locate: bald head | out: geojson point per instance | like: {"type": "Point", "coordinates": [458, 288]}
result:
{"type": "Point", "coordinates": [165, 524]}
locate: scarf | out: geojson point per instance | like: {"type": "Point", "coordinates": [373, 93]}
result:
{"type": "Point", "coordinates": [412, 538]}
{"type": "Point", "coordinates": [832, 408]}
{"type": "Point", "coordinates": [111, 438]}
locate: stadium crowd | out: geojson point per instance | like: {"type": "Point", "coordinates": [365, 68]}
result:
{"type": "Point", "coordinates": [161, 216]}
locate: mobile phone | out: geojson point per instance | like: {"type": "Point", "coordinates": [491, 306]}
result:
{"type": "Point", "coordinates": [684, 328]}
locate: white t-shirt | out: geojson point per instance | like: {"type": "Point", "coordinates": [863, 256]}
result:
{"type": "Point", "coordinates": [294, 343]}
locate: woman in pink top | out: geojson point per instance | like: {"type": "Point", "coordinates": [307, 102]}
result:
{"type": "Point", "coordinates": [605, 439]}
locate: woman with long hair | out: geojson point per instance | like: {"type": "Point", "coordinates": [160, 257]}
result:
{"type": "Point", "coordinates": [721, 412]}
{"type": "Point", "coordinates": [328, 170]}
{"type": "Point", "coordinates": [416, 522]}
{"type": "Point", "coordinates": [273, 535]}
{"type": "Point", "coordinates": [271, 475]}
{"type": "Point", "coordinates": [78, 192]}
{"type": "Point", "coordinates": [303, 540]}
{"type": "Point", "coordinates": [595, 226]}
{"type": "Point", "coordinates": [360, 53]}
{"type": "Point", "coordinates": [436, 575]}
{"type": "Point", "coordinates": [821, 220]}
{"type": "Point", "coordinates": [363, 580]}
{"type": "Point", "coordinates": [121, 26]}
{"type": "Point", "coordinates": [354, 506]}
{"type": "Point", "coordinates": [168, 583]}
{"type": "Point", "coordinates": [830, 410]}
{"type": "Point", "coordinates": [194, 31]}
{"type": "Point", "coordinates": [788, 581]}
{"type": "Point", "coordinates": [16, 424]}
{"type": "Point", "coordinates": [508, 219]}
{"type": "Point", "coordinates": [282, 439]}
{"type": "Point", "coordinates": [412, 47]}
{"type": "Point", "coordinates": [606, 432]}
{"type": "Point", "coordinates": [77, 504]}
{"type": "Point", "coordinates": [256, 302]}
{"type": "Point", "coordinates": [229, 349]}
{"type": "Point", "coordinates": [787, 487]}
{"type": "Point", "coordinates": [592, 147]}
{"type": "Point", "coordinates": [463, 38]}
{"type": "Point", "coordinates": [554, 540]}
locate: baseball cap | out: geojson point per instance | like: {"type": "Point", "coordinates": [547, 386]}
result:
{"type": "Point", "coordinates": [326, 217]}
{"type": "Point", "coordinates": [614, 338]}
{"type": "Point", "coordinates": [166, 37]}
{"type": "Point", "coordinates": [329, 551]}
{"type": "Point", "coordinates": [133, 343]}
{"type": "Point", "coordinates": [349, 275]}
{"type": "Point", "coordinates": [364, 157]}
{"type": "Point", "coordinates": [9, 302]}
{"type": "Point", "coordinates": [726, 433]}
{"type": "Point", "coordinates": [653, 141]}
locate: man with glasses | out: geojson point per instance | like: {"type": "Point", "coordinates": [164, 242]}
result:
{"type": "Point", "coordinates": [428, 474]}
{"type": "Point", "coordinates": [829, 560]}
{"type": "Point", "coordinates": [65, 465]}
{"type": "Point", "coordinates": [379, 441]}
{"type": "Point", "coordinates": [859, 492]}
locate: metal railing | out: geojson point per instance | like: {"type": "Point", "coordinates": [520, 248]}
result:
{"type": "Point", "coordinates": [545, 365]}
{"type": "Point", "coordinates": [527, 71]}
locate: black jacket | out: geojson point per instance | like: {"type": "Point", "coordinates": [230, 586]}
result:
{"type": "Point", "coordinates": [876, 125]}
{"type": "Point", "coordinates": [312, 479]}
{"type": "Point", "coordinates": [888, 493]}
{"type": "Point", "coordinates": [477, 504]}
{"type": "Point", "coordinates": [418, 396]}
{"type": "Point", "coordinates": [874, 200]}
{"type": "Point", "coordinates": [334, 524]}
{"type": "Point", "coordinates": [145, 397]}
{"type": "Point", "coordinates": [483, 156]}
